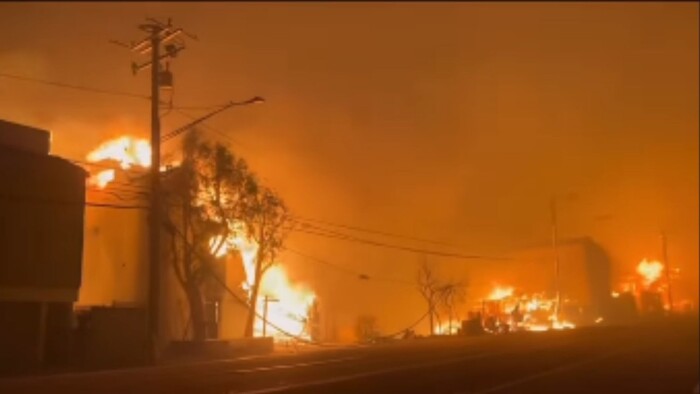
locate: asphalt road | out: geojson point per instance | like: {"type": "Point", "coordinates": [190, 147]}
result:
{"type": "Point", "coordinates": [660, 357]}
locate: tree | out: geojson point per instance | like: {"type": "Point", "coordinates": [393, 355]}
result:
{"type": "Point", "coordinates": [429, 287]}
{"type": "Point", "coordinates": [209, 191]}
{"type": "Point", "coordinates": [452, 295]}
{"type": "Point", "coordinates": [438, 294]}
{"type": "Point", "coordinates": [267, 218]}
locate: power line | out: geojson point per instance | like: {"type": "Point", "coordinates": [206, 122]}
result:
{"type": "Point", "coordinates": [106, 166]}
{"type": "Point", "coordinates": [409, 327]}
{"type": "Point", "coordinates": [372, 231]}
{"type": "Point", "coordinates": [258, 315]}
{"type": "Point", "coordinates": [74, 87]}
{"type": "Point", "coordinates": [114, 206]}
{"type": "Point", "coordinates": [118, 196]}
{"type": "Point", "coordinates": [90, 204]}
{"type": "Point", "coordinates": [207, 127]}
{"type": "Point", "coordinates": [397, 247]}
{"type": "Point", "coordinates": [358, 274]}
{"type": "Point", "coordinates": [91, 89]}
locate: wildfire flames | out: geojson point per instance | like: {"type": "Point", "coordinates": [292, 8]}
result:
{"type": "Point", "coordinates": [126, 151]}
{"type": "Point", "coordinates": [528, 312]}
{"type": "Point", "coordinates": [500, 293]}
{"type": "Point", "coordinates": [290, 308]}
{"type": "Point", "coordinates": [650, 271]}
{"type": "Point", "coordinates": [287, 306]}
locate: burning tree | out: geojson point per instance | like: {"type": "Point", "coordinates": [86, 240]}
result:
{"type": "Point", "coordinates": [209, 192]}
{"type": "Point", "coordinates": [266, 217]}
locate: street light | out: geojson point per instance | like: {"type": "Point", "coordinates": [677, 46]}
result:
{"type": "Point", "coordinates": [179, 130]}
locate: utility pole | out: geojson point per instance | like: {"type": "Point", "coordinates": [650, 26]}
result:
{"type": "Point", "coordinates": [155, 220]}
{"type": "Point", "coordinates": [664, 254]}
{"type": "Point", "coordinates": [555, 249]}
{"type": "Point", "coordinates": [267, 300]}
{"type": "Point", "coordinates": [158, 34]}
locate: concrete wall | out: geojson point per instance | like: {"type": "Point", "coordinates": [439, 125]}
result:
{"type": "Point", "coordinates": [115, 257]}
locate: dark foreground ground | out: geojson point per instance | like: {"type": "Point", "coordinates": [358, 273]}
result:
{"type": "Point", "coordinates": [656, 357]}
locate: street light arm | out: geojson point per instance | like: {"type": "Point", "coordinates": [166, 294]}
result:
{"type": "Point", "coordinates": [182, 129]}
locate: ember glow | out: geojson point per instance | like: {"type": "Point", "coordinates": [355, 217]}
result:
{"type": "Point", "coordinates": [650, 271]}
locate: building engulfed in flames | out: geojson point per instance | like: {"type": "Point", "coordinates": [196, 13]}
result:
{"type": "Point", "coordinates": [117, 251]}
{"type": "Point", "coordinates": [528, 302]}
{"type": "Point", "coordinates": [521, 293]}
{"type": "Point", "coordinates": [648, 289]}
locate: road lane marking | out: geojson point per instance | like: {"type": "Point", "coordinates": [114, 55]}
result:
{"type": "Point", "coordinates": [361, 375]}
{"type": "Point", "coordinates": [295, 365]}
{"type": "Point", "coordinates": [552, 371]}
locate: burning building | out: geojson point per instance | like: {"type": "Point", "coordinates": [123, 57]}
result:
{"type": "Point", "coordinates": [116, 261]}
{"type": "Point", "coordinates": [526, 290]}
{"type": "Point", "coordinates": [648, 289]}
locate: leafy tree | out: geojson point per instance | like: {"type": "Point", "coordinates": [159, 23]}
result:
{"type": "Point", "coordinates": [210, 190]}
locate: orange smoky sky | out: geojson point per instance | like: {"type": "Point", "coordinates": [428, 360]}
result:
{"type": "Point", "coordinates": [452, 121]}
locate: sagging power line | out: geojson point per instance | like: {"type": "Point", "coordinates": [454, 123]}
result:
{"type": "Point", "coordinates": [301, 219]}
{"type": "Point", "coordinates": [357, 274]}
{"type": "Point", "coordinates": [349, 238]}
{"type": "Point", "coordinates": [74, 87]}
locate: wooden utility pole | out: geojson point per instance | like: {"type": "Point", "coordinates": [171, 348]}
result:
{"type": "Point", "coordinates": [158, 34]}
{"type": "Point", "coordinates": [155, 220]}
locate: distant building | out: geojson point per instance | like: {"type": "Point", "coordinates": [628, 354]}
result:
{"type": "Point", "coordinates": [42, 205]}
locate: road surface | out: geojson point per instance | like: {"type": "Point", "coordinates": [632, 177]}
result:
{"type": "Point", "coordinates": [659, 357]}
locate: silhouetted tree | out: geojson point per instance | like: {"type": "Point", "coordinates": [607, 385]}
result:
{"type": "Point", "coordinates": [438, 294]}
{"type": "Point", "coordinates": [452, 294]}
{"type": "Point", "coordinates": [429, 287]}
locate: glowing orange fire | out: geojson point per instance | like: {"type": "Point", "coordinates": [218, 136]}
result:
{"type": "Point", "coordinates": [650, 271]}
{"type": "Point", "coordinates": [126, 151]}
{"type": "Point", "coordinates": [102, 178]}
{"type": "Point", "coordinates": [528, 312]}
{"type": "Point", "coordinates": [499, 293]}
{"type": "Point", "coordinates": [290, 308]}
{"type": "Point", "coordinates": [289, 312]}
